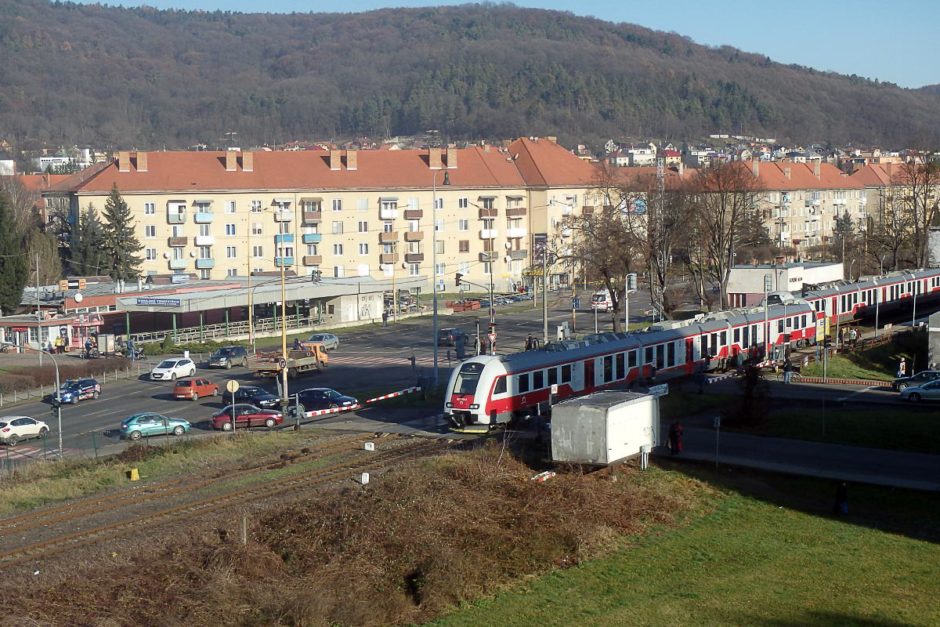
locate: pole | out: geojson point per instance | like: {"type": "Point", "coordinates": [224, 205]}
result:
{"type": "Point", "coordinates": [595, 317]}
{"type": "Point", "coordinates": [877, 302]}
{"type": "Point", "coordinates": [285, 369]}
{"type": "Point", "coordinates": [38, 315]}
{"type": "Point", "coordinates": [251, 306]}
{"type": "Point", "coordinates": [434, 377]}
{"type": "Point", "coordinates": [394, 287]}
{"type": "Point", "coordinates": [914, 312]}
{"type": "Point", "coordinates": [545, 294]}
{"type": "Point", "coordinates": [492, 304]}
{"type": "Point", "coordinates": [766, 324]}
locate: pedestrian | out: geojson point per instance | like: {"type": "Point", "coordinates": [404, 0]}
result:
{"type": "Point", "coordinates": [385, 318]}
{"type": "Point", "coordinates": [700, 380]}
{"type": "Point", "coordinates": [739, 362]}
{"type": "Point", "coordinates": [902, 368]}
{"type": "Point", "coordinates": [460, 344]}
{"type": "Point", "coordinates": [841, 336]}
{"type": "Point", "coordinates": [87, 348]}
{"type": "Point", "coordinates": [675, 438]}
{"type": "Point", "coordinates": [787, 370]}
{"type": "Point", "coordinates": [842, 500]}
{"type": "Point", "coordinates": [297, 345]}
{"type": "Point", "coordinates": [853, 336]}
{"type": "Point", "coordinates": [131, 353]}
{"type": "Point", "coordinates": [529, 342]}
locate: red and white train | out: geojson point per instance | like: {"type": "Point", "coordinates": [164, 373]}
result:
{"type": "Point", "coordinates": [487, 390]}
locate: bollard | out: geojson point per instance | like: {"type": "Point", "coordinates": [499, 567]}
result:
{"type": "Point", "coordinates": [133, 475]}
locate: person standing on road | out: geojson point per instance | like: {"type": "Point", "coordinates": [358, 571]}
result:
{"type": "Point", "coordinates": [675, 438]}
{"type": "Point", "coordinates": [385, 317]}
{"type": "Point", "coordinates": [842, 500]}
{"type": "Point", "coordinates": [902, 368]}
{"type": "Point", "coordinates": [787, 370]}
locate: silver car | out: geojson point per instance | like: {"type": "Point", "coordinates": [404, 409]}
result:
{"type": "Point", "coordinates": [926, 392]}
{"type": "Point", "coordinates": [328, 340]}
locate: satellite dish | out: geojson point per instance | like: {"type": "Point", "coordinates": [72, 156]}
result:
{"type": "Point", "coordinates": [78, 297]}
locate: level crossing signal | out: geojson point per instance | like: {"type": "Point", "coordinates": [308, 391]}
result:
{"type": "Point", "coordinates": [458, 278]}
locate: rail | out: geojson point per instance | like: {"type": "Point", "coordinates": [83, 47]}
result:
{"type": "Point", "coordinates": [224, 330]}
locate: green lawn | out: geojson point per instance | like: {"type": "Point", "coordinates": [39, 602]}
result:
{"type": "Point", "coordinates": [749, 562]}
{"type": "Point", "coordinates": [847, 367]}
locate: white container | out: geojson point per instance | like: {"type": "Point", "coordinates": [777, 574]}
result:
{"type": "Point", "coordinates": [604, 428]}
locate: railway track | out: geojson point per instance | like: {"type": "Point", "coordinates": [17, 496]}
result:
{"type": "Point", "coordinates": [358, 461]}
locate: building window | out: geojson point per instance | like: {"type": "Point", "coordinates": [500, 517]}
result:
{"type": "Point", "coordinates": [337, 204]}
{"type": "Point", "coordinates": [414, 247]}
{"type": "Point", "coordinates": [256, 206]}
{"type": "Point", "coordinates": [438, 203]}
{"type": "Point", "coordinates": [230, 252]}
{"type": "Point", "coordinates": [337, 228]}
{"type": "Point", "coordinates": [151, 254]}
{"type": "Point", "coordinates": [414, 226]}
{"type": "Point", "coordinates": [363, 249]}
{"type": "Point", "coordinates": [439, 245]}
{"type": "Point", "coordinates": [487, 267]}
{"type": "Point", "coordinates": [337, 273]}
{"type": "Point", "coordinates": [230, 229]}
{"type": "Point", "coordinates": [414, 269]}
{"type": "Point", "coordinates": [176, 231]}
{"type": "Point", "coordinates": [205, 274]}
{"type": "Point", "coordinates": [312, 249]}
{"type": "Point", "coordinates": [178, 253]}
{"type": "Point", "coordinates": [283, 228]}
{"type": "Point", "coordinates": [463, 203]}
{"type": "Point", "coordinates": [464, 245]}
{"type": "Point", "coordinates": [150, 208]}
{"type": "Point", "coordinates": [388, 249]}
{"type": "Point", "coordinates": [337, 249]}
{"type": "Point", "coordinates": [231, 272]}
{"type": "Point", "coordinates": [362, 204]}
{"type": "Point", "coordinates": [256, 228]}
{"type": "Point", "coordinates": [489, 203]}
{"type": "Point", "coordinates": [441, 269]}
{"type": "Point", "coordinates": [363, 227]}
{"type": "Point", "coordinates": [387, 227]}
{"type": "Point", "coordinates": [229, 206]}
{"type": "Point", "coordinates": [257, 252]}
{"type": "Point", "coordinates": [150, 231]}
{"type": "Point", "coordinates": [204, 229]}
{"type": "Point", "coordinates": [463, 225]}
{"type": "Point", "coordinates": [439, 226]}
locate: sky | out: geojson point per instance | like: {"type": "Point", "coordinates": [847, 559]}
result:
{"type": "Point", "coordinates": [889, 41]}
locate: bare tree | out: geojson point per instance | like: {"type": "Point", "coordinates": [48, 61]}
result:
{"type": "Point", "coordinates": [22, 202]}
{"type": "Point", "coordinates": [918, 183]}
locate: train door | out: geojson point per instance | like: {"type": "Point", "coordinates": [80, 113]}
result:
{"type": "Point", "coordinates": [689, 355]}
{"type": "Point", "coordinates": [588, 375]}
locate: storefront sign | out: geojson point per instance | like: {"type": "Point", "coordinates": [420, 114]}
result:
{"type": "Point", "coordinates": [158, 302]}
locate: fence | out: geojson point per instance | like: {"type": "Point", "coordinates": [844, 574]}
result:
{"type": "Point", "coordinates": [26, 394]}
{"type": "Point", "coordinates": [224, 330]}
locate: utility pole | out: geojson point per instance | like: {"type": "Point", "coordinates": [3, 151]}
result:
{"type": "Point", "coordinates": [545, 293]}
{"type": "Point", "coordinates": [38, 314]}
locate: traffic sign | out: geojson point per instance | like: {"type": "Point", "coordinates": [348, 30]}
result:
{"type": "Point", "coordinates": [232, 386]}
{"type": "Point", "coordinates": [659, 390]}
{"type": "Point", "coordinates": [282, 363]}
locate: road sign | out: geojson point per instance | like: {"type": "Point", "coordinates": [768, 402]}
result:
{"type": "Point", "coordinates": [282, 363]}
{"type": "Point", "coordinates": [659, 390]}
{"type": "Point", "coordinates": [576, 303]}
{"type": "Point", "coordinates": [232, 386]}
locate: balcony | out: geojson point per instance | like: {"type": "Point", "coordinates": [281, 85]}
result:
{"type": "Point", "coordinates": [516, 232]}
{"type": "Point", "coordinates": [386, 237]}
{"type": "Point", "coordinates": [204, 217]}
{"type": "Point", "coordinates": [313, 260]}
{"type": "Point", "coordinates": [177, 242]}
{"type": "Point", "coordinates": [516, 212]}
{"type": "Point", "coordinates": [178, 264]}
{"type": "Point", "coordinates": [414, 257]}
{"type": "Point", "coordinates": [388, 258]}
{"type": "Point", "coordinates": [283, 261]}
{"type": "Point", "coordinates": [518, 254]}
{"type": "Point", "coordinates": [312, 238]}
{"type": "Point", "coordinates": [283, 238]}
{"type": "Point", "coordinates": [204, 240]}
{"type": "Point", "coordinates": [488, 213]}
{"type": "Point", "coordinates": [587, 210]}
{"type": "Point", "coordinates": [414, 214]}
{"type": "Point", "coordinates": [312, 217]}
{"type": "Point", "coordinates": [176, 217]}
{"type": "Point", "coordinates": [204, 264]}
{"type": "Point", "coordinates": [488, 233]}
{"type": "Point", "coordinates": [414, 236]}
{"type": "Point", "coordinates": [388, 214]}
{"type": "Point", "coordinates": [283, 215]}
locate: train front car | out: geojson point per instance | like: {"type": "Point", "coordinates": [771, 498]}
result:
{"type": "Point", "coordinates": [467, 391]}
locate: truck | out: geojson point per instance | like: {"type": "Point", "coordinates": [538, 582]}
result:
{"type": "Point", "coordinates": [604, 428]}
{"type": "Point", "coordinates": [601, 301]}
{"type": "Point", "coordinates": [311, 358]}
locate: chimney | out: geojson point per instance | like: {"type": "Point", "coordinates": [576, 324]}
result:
{"type": "Point", "coordinates": [124, 161]}
{"type": "Point", "coordinates": [755, 167]}
{"type": "Point", "coordinates": [817, 168]}
{"type": "Point", "coordinates": [231, 161]}
{"type": "Point", "coordinates": [786, 173]}
{"type": "Point", "coordinates": [248, 162]}
{"type": "Point", "coordinates": [681, 169]}
{"type": "Point", "coordinates": [335, 157]}
{"type": "Point", "coordinates": [434, 158]}
{"type": "Point", "coordinates": [352, 160]}
{"type": "Point", "coordinates": [141, 161]}
{"type": "Point", "coordinates": [451, 158]}
{"type": "Point", "coordinates": [889, 169]}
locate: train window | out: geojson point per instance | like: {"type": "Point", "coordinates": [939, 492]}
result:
{"type": "Point", "coordinates": [608, 368]}
{"type": "Point", "coordinates": [523, 382]}
{"type": "Point", "coordinates": [671, 354]}
{"type": "Point", "coordinates": [538, 379]}
{"type": "Point", "coordinates": [621, 371]}
{"type": "Point", "coordinates": [746, 340]}
{"type": "Point", "coordinates": [467, 378]}
{"type": "Point", "coordinates": [648, 358]}
{"type": "Point", "coordinates": [737, 335]}
{"type": "Point", "coordinates": [724, 338]}
{"type": "Point", "coordinates": [566, 373]}
{"type": "Point", "coordinates": [552, 376]}
{"type": "Point", "coordinates": [659, 357]}
{"type": "Point", "coordinates": [789, 323]}
{"type": "Point", "coordinates": [780, 326]}
{"type": "Point", "coordinates": [631, 360]}
{"type": "Point", "coordinates": [500, 387]}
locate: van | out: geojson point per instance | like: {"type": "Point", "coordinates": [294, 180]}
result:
{"type": "Point", "coordinates": [601, 301]}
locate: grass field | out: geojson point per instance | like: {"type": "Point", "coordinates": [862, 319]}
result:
{"type": "Point", "coordinates": [753, 561]}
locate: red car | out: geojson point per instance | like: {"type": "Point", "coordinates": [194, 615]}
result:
{"type": "Point", "coordinates": [193, 389]}
{"type": "Point", "coordinates": [246, 416]}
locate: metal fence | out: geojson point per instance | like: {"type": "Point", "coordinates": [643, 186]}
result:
{"type": "Point", "coordinates": [223, 330]}
{"type": "Point", "coordinates": [38, 393]}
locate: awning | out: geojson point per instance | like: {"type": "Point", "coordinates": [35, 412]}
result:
{"type": "Point", "coordinates": [388, 198]}
{"type": "Point", "coordinates": [311, 199]}
{"type": "Point", "coordinates": [175, 202]}
{"type": "Point", "coordinates": [283, 201]}
{"type": "Point", "coordinates": [485, 197]}
{"type": "Point", "coordinates": [202, 202]}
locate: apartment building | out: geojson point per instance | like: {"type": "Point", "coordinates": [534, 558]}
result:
{"type": "Point", "coordinates": [375, 213]}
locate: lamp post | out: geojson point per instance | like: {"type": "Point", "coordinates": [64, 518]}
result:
{"type": "Point", "coordinates": [55, 398]}
{"type": "Point", "coordinates": [446, 181]}
{"type": "Point", "coordinates": [284, 370]}
{"type": "Point", "coordinates": [767, 283]}
{"type": "Point", "coordinates": [251, 305]}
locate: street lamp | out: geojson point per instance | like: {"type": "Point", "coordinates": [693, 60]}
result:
{"type": "Point", "coordinates": [55, 396]}
{"type": "Point", "coordinates": [446, 181]}
{"type": "Point", "coordinates": [768, 279]}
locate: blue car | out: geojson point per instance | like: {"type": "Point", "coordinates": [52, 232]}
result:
{"type": "Point", "coordinates": [74, 390]}
{"type": "Point", "coordinates": [141, 425]}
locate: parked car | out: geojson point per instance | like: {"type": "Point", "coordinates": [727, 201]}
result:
{"type": "Point", "coordinates": [146, 424]}
{"type": "Point", "coordinates": [328, 340]}
{"type": "Point", "coordinates": [255, 396]}
{"type": "Point", "coordinates": [246, 416]}
{"type": "Point", "coordinates": [313, 399]}
{"type": "Point", "coordinates": [927, 392]}
{"type": "Point", "coordinates": [193, 389]}
{"type": "Point", "coordinates": [229, 356]}
{"type": "Point", "coordinates": [173, 369]}
{"type": "Point", "coordinates": [74, 390]}
{"type": "Point", "coordinates": [924, 376]}
{"type": "Point", "coordinates": [16, 428]}
{"type": "Point", "coordinates": [448, 337]}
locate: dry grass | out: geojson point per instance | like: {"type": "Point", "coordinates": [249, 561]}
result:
{"type": "Point", "coordinates": [417, 541]}
{"type": "Point", "coordinates": [23, 377]}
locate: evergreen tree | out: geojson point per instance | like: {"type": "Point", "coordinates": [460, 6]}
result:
{"type": "Point", "coordinates": [88, 255]}
{"type": "Point", "coordinates": [44, 246]}
{"type": "Point", "coordinates": [13, 262]}
{"type": "Point", "coordinates": [120, 243]}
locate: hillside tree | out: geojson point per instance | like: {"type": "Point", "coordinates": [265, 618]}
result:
{"type": "Point", "coordinates": [120, 242]}
{"type": "Point", "coordinates": [14, 269]}
{"type": "Point", "coordinates": [87, 246]}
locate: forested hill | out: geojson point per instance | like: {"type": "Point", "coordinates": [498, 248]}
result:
{"type": "Point", "coordinates": [149, 78]}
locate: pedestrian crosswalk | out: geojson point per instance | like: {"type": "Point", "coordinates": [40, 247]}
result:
{"type": "Point", "coordinates": [395, 357]}
{"type": "Point", "coordinates": [23, 452]}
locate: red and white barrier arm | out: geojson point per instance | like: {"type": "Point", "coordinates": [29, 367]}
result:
{"type": "Point", "coordinates": [394, 394]}
{"type": "Point", "coordinates": [334, 410]}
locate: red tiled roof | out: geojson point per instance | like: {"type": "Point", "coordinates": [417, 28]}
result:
{"type": "Point", "coordinates": [772, 176]}
{"type": "Point", "coordinates": [875, 175]}
{"type": "Point", "coordinates": [543, 162]}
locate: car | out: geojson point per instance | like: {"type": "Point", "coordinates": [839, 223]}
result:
{"type": "Point", "coordinates": [448, 337]}
{"type": "Point", "coordinates": [173, 369]}
{"type": "Point", "coordinates": [194, 388]}
{"type": "Point", "coordinates": [16, 428]}
{"type": "Point", "coordinates": [328, 340]}
{"type": "Point", "coordinates": [229, 356]}
{"type": "Point", "coordinates": [255, 396]}
{"type": "Point", "coordinates": [246, 416]}
{"type": "Point", "coordinates": [313, 399]}
{"type": "Point", "coordinates": [74, 390]}
{"type": "Point", "coordinates": [927, 392]}
{"type": "Point", "coordinates": [924, 376]}
{"type": "Point", "coordinates": [146, 424]}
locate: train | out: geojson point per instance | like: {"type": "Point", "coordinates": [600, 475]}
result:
{"type": "Point", "coordinates": [488, 390]}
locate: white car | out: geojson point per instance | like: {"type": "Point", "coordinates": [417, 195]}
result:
{"type": "Point", "coordinates": [329, 341]}
{"type": "Point", "coordinates": [173, 369]}
{"type": "Point", "coordinates": [16, 428]}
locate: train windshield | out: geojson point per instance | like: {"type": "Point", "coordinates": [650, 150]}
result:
{"type": "Point", "coordinates": [467, 378]}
